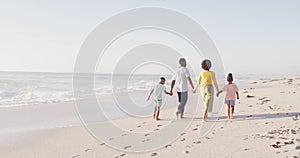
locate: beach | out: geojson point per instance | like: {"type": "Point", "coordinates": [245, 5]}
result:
{"type": "Point", "coordinates": [266, 124]}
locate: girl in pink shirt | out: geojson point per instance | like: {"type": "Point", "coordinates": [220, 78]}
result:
{"type": "Point", "coordinates": [232, 93]}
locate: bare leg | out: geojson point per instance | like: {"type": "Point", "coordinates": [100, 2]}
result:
{"type": "Point", "coordinates": [154, 114]}
{"type": "Point", "coordinates": [232, 110]}
{"type": "Point", "coordinates": [205, 116]}
{"type": "Point", "coordinates": [228, 110]}
{"type": "Point", "coordinates": [157, 113]}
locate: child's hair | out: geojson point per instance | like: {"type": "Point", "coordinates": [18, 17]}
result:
{"type": "Point", "coordinates": [206, 64]}
{"type": "Point", "coordinates": [230, 77]}
{"type": "Point", "coordinates": [162, 78]}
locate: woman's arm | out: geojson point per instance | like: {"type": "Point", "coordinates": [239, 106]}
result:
{"type": "Point", "coordinates": [215, 81]}
{"type": "Point", "coordinates": [218, 93]}
{"type": "Point", "coordinates": [198, 83]}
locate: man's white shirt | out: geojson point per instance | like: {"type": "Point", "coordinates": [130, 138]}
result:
{"type": "Point", "coordinates": [180, 77]}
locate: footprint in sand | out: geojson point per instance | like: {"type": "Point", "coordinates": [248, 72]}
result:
{"type": "Point", "coordinates": [159, 125]}
{"type": "Point", "coordinates": [102, 144]}
{"type": "Point", "coordinates": [289, 142]}
{"type": "Point", "coordinates": [139, 126]}
{"type": "Point", "coordinates": [183, 139]}
{"type": "Point", "coordinates": [124, 135]}
{"type": "Point", "coordinates": [186, 152]}
{"type": "Point", "coordinates": [110, 139]}
{"type": "Point", "coordinates": [146, 140]}
{"type": "Point", "coordinates": [147, 134]}
{"type": "Point", "coordinates": [195, 129]}
{"type": "Point", "coordinates": [86, 150]}
{"type": "Point", "coordinates": [119, 156]}
{"type": "Point", "coordinates": [156, 129]}
{"type": "Point", "coordinates": [167, 146]}
{"type": "Point", "coordinates": [127, 147]}
{"type": "Point", "coordinates": [153, 154]}
{"type": "Point", "coordinates": [182, 134]}
{"type": "Point", "coordinates": [144, 123]}
{"type": "Point", "coordinates": [76, 156]}
{"type": "Point", "coordinates": [188, 146]}
{"type": "Point", "coordinates": [197, 142]}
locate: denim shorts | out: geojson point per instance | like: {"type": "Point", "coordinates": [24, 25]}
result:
{"type": "Point", "coordinates": [230, 102]}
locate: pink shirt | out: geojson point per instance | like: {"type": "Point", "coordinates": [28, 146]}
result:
{"type": "Point", "coordinates": [230, 90]}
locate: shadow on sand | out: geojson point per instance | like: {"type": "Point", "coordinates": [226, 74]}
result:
{"type": "Point", "coordinates": [249, 117]}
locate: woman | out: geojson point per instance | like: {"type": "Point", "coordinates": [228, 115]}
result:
{"type": "Point", "coordinates": [208, 79]}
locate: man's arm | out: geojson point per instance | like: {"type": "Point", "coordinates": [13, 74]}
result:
{"type": "Point", "coordinates": [172, 86]}
{"type": "Point", "coordinates": [191, 82]}
{"type": "Point", "coordinates": [167, 92]}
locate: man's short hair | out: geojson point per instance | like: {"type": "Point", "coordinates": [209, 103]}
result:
{"type": "Point", "coordinates": [182, 60]}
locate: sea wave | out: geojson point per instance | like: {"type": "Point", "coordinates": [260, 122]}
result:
{"type": "Point", "coordinates": [21, 89]}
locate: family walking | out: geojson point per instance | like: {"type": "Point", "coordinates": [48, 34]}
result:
{"type": "Point", "coordinates": [180, 81]}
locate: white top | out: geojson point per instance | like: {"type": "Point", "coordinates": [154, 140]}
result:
{"type": "Point", "coordinates": [180, 78]}
{"type": "Point", "coordinates": [158, 90]}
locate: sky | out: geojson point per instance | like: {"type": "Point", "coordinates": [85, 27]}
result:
{"type": "Point", "coordinates": [252, 36]}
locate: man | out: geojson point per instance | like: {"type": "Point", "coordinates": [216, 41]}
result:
{"type": "Point", "coordinates": [179, 80]}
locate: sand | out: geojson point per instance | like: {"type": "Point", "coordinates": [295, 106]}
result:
{"type": "Point", "coordinates": [264, 125]}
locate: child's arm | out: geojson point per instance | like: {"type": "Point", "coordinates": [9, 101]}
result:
{"type": "Point", "coordinates": [237, 95]}
{"type": "Point", "coordinates": [150, 94]}
{"type": "Point", "coordinates": [167, 92]}
{"type": "Point", "coordinates": [237, 92]}
{"type": "Point", "coordinates": [218, 93]}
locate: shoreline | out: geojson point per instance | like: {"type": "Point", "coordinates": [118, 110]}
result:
{"type": "Point", "coordinates": [260, 123]}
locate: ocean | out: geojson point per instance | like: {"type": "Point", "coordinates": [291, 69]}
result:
{"type": "Point", "coordinates": [40, 100]}
{"type": "Point", "coordinates": [38, 88]}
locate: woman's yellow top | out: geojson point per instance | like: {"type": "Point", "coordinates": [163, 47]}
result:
{"type": "Point", "coordinates": [207, 78]}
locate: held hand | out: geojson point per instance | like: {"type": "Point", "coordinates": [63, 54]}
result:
{"type": "Point", "coordinates": [171, 93]}
{"type": "Point", "coordinates": [194, 91]}
{"type": "Point", "coordinates": [148, 98]}
{"type": "Point", "coordinates": [218, 94]}
{"type": "Point", "coordinates": [238, 97]}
